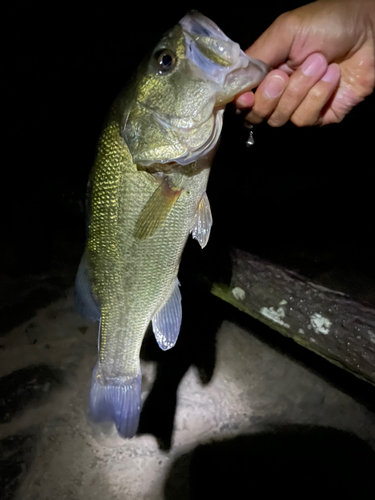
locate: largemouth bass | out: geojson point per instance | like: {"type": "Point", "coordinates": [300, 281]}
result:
{"type": "Point", "coordinates": [147, 193]}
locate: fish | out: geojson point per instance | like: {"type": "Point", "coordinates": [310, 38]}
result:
{"type": "Point", "coordinates": [146, 195]}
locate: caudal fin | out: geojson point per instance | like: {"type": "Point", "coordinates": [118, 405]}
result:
{"type": "Point", "coordinates": [118, 401]}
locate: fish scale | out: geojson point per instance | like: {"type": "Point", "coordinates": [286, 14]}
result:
{"type": "Point", "coordinates": [147, 193]}
{"type": "Point", "coordinates": [119, 201]}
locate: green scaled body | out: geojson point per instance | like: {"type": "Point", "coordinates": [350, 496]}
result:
{"type": "Point", "coordinates": [146, 195]}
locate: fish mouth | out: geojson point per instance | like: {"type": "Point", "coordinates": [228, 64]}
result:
{"type": "Point", "coordinates": [218, 59]}
{"type": "Point", "coordinates": [218, 70]}
{"type": "Point", "coordinates": [221, 59]}
{"type": "Point", "coordinates": [231, 71]}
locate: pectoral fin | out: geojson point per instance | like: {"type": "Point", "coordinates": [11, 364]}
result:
{"type": "Point", "coordinates": [167, 322]}
{"type": "Point", "coordinates": [202, 222]}
{"type": "Point", "coordinates": [156, 210]}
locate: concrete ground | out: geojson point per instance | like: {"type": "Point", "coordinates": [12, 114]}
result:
{"type": "Point", "coordinates": [233, 411]}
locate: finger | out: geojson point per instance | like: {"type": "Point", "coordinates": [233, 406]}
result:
{"type": "Point", "coordinates": [284, 67]}
{"type": "Point", "coordinates": [293, 36]}
{"type": "Point", "coordinates": [310, 111]}
{"type": "Point", "coordinates": [244, 101]}
{"type": "Point", "coordinates": [300, 83]}
{"type": "Point", "coordinates": [267, 96]}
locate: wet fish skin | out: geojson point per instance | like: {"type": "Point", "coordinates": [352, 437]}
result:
{"type": "Point", "coordinates": [147, 194]}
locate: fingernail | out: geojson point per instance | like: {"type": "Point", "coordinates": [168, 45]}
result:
{"type": "Point", "coordinates": [313, 64]}
{"type": "Point", "coordinates": [332, 73]}
{"type": "Point", "coordinates": [274, 86]}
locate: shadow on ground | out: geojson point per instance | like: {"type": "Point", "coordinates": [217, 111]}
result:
{"type": "Point", "coordinates": [26, 387]}
{"type": "Point", "coordinates": [291, 462]}
{"type": "Point", "coordinates": [17, 453]}
{"type": "Point", "coordinates": [195, 347]}
{"type": "Point", "coordinates": [202, 315]}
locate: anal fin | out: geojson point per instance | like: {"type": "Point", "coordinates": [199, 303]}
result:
{"type": "Point", "coordinates": [167, 322]}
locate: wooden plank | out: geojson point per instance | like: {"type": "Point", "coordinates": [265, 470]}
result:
{"type": "Point", "coordinates": [325, 321]}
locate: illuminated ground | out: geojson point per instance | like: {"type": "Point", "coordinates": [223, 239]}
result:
{"type": "Point", "coordinates": [258, 398]}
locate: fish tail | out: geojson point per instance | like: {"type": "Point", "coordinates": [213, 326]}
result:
{"type": "Point", "coordinates": [118, 401]}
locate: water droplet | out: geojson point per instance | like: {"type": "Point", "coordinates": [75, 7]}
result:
{"type": "Point", "coordinates": [250, 141]}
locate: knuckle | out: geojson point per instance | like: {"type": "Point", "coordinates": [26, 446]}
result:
{"type": "Point", "coordinates": [254, 118]}
{"type": "Point", "coordinates": [317, 94]}
{"type": "Point", "coordinates": [287, 19]}
{"type": "Point", "coordinates": [263, 109]}
{"type": "Point", "coordinates": [303, 119]}
{"type": "Point", "coordinates": [276, 121]}
{"type": "Point", "coordinates": [294, 94]}
{"type": "Point", "coordinates": [260, 113]}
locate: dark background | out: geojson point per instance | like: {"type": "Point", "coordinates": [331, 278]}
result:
{"type": "Point", "coordinates": [301, 197]}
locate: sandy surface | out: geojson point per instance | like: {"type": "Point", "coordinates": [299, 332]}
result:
{"type": "Point", "coordinates": [253, 395]}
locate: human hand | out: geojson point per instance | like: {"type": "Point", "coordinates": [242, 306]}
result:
{"type": "Point", "coordinates": [323, 55]}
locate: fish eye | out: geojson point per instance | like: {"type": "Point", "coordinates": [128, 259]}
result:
{"type": "Point", "coordinates": [166, 61]}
